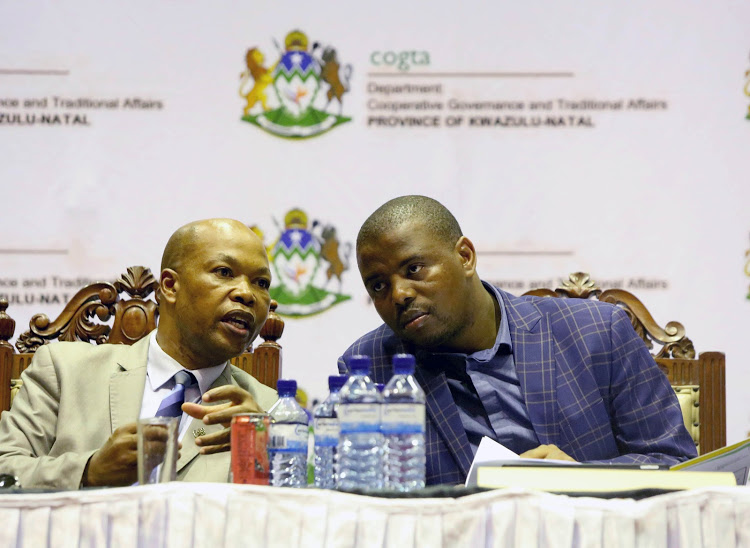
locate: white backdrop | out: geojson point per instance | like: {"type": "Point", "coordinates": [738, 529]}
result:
{"type": "Point", "coordinates": [651, 199]}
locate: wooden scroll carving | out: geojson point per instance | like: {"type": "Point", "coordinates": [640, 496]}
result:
{"type": "Point", "coordinates": [134, 317]}
{"type": "Point", "coordinates": [671, 339]}
{"type": "Point", "coordinates": [130, 304]}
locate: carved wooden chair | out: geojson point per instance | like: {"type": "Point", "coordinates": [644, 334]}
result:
{"type": "Point", "coordinates": [132, 318]}
{"type": "Point", "coordinates": [698, 381]}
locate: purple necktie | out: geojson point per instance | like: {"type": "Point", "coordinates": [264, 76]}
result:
{"type": "Point", "coordinates": [171, 405]}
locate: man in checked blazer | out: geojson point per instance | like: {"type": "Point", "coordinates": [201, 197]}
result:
{"type": "Point", "coordinates": [72, 423]}
{"type": "Point", "coordinates": [565, 379]}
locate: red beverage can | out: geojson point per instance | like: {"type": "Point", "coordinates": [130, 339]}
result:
{"type": "Point", "coordinates": [249, 440]}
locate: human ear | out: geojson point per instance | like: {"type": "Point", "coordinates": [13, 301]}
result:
{"type": "Point", "coordinates": [168, 285]}
{"type": "Point", "coordinates": [467, 255]}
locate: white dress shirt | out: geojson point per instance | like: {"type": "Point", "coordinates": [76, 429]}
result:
{"type": "Point", "coordinates": [160, 370]}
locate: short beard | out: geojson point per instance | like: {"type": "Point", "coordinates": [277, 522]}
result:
{"type": "Point", "coordinates": [438, 340]}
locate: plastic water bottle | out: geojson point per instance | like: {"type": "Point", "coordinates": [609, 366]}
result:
{"type": "Point", "coordinates": [403, 425]}
{"type": "Point", "coordinates": [326, 433]}
{"type": "Point", "coordinates": [360, 449]}
{"type": "Point", "coordinates": [287, 444]}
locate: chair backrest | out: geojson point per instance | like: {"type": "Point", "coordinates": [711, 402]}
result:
{"type": "Point", "coordinates": [698, 381]}
{"type": "Point", "coordinates": [129, 305]}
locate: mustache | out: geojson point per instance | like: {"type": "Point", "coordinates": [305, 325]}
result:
{"type": "Point", "coordinates": [408, 313]}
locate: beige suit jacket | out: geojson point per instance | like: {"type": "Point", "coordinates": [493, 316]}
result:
{"type": "Point", "coordinates": [74, 395]}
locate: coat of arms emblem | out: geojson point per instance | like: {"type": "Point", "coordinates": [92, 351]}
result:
{"type": "Point", "coordinates": [293, 97]}
{"type": "Point", "coordinates": [308, 263]}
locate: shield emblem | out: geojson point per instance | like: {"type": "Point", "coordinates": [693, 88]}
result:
{"type": "Point", "coordinates": [296, 80]}
{"type": "Point", "coordinates": [296, 258]}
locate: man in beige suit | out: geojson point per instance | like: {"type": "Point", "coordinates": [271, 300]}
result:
{"type": "Point", "coordinates": [72, 424]}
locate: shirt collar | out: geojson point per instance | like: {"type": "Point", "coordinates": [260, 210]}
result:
{"type": "Point", "coordinates": [162, 367]}
{"type": "Point", "coordinates": [503, 343]}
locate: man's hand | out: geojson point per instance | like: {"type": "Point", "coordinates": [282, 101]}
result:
{"type": "Point", "coordinates": [116, 463]}
{"type": "Point", "coordinates": [547, 452]}
{"type": "Point", "coordinates": [240, 401]}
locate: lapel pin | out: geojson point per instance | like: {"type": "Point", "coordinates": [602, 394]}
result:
{"type": "Point", "coordinates": [199, 432]}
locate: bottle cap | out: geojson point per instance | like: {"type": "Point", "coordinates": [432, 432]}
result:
{"type": "Point", "coordinates": [286, 387]}
{"type": "Point", "coordinates": [403, 364]}
{"type": "Point", "coordinates": [335, 382]}
{"type": "Point", "coordinates": [359, 364]}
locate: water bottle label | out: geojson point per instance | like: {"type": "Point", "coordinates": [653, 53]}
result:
{"type": "Point", "coordinates": [359, 417]}
{"type": "Point", "coordinates": [326, 432]}
{"type": "Point", "coordinates": [403, 418]}
{"type": "Point", "coordinates": [288, 438]}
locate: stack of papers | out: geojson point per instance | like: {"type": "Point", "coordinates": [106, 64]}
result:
{"type": "Point", "coordinates": [496, 466]}
{"type": "Point", "coordinates": [732, 458]}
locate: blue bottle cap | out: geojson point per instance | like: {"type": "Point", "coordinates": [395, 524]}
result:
{"type": "Point", "coordinates": [286, 387]}
{"type": "Point", "coordinates": [359, 364]}
{"type": "Point", "coordinates": [403, 364]}
{"type": "Point", "coordinates": [335, 382]}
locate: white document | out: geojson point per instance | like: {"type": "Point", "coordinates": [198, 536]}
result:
{"type": "Point", "coordinates": [488, 451]}
{"type": "Point", "coordinates": [496, 454]}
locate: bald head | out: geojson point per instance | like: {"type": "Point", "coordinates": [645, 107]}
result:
{"type": "Point", "coordinates": [427, 211]}
{"type": "Point", "coordinates": [184, 242]}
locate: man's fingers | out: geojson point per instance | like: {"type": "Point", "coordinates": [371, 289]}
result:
{"type": "Point", "coordinates": [129, 428]}
{"type": "Point", "coordinates": [125, 438]}
{"type": "Point", "coordinates": [115, 462]}
{"type": "Point", "coordinates": [209, 450]}
{"type": "Point", "coordinates": [234, 394]}
{"type": "Point", "coordinates": [559, 454]}
{"type": "Point", "coordinates": [211, 414]}
{"type": "Point", "coordinates": [229, 392]}
{"type": "Point", "coordinates": [195, 410]}
{"type": "Point", "coordinates": [214, 443]}
{"type": "Point", "coordinates": [239, 401]}
{"type": "Point", "coordinates": [155, 432]}
{"type": "Point", "coordinates": [224, 416]}
{"type": "Point", "coordinates": [536, 453]}
{"type": "Point", "coordinates": [154, 448]}
{"type": "Point", "coordinates": [217, 438]}
{"type": "Point", "coordinates": [547, 452]}
{"type": "Point", "coordinates": [198, 411]}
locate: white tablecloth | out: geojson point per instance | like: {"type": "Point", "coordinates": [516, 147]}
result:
{"type": "Point", "coordinates": [215, 515]}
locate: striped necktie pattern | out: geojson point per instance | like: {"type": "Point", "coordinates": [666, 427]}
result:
{"type": "Point", "coordinates": [171, 405]}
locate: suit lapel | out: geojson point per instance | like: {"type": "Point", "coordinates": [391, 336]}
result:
{"type": "Point", "coordinates": [126, 385]}
{"type": "Point", "coordinates": [126, 395]}
{"type": "Point", "coordinates": [189, 450]}
{"type": "Point", "coordinates": [443, 413]}
{"type": "Point", "coordinates": [533, 353]}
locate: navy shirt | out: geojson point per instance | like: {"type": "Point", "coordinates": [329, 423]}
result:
{"type": "Point", "coordinates": [486, 390]}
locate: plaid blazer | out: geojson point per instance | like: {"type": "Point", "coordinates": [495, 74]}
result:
{"type": "Point", "coordinates": [589, 383]}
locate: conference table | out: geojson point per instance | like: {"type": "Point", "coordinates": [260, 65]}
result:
{"type": "Point", "coordinates": [214, 515]}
